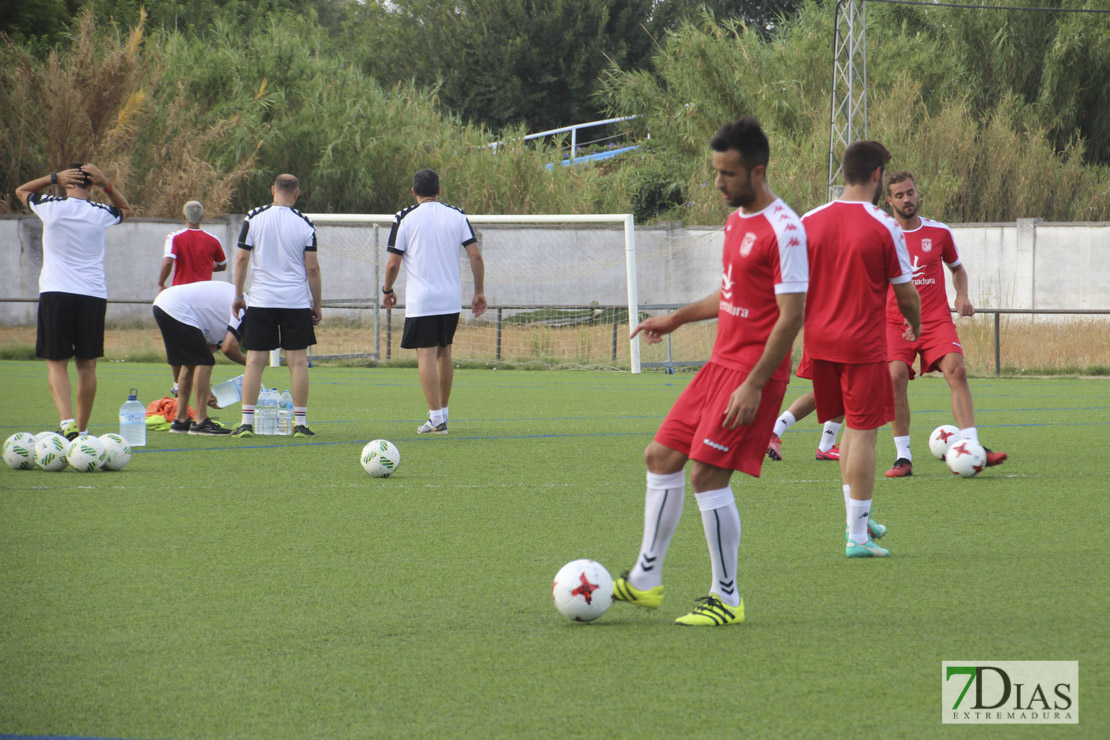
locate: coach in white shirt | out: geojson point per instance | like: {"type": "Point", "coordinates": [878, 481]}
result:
{"type": "Point", "coordinates": [426, 239]}
{"type": "Point", "coordinates": [285, 297]}
{"type": "Point", "coordinates": [73, 295]}
{"type": "Point", "coordinates": [195, 319]}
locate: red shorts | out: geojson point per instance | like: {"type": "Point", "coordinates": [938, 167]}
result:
{"type": "Point", "coordinates": [863, 393]}
{"type": "Point", "coordinates": [935, 342]}
{"type": "Point", "coordinates": [693, 427]}
{"type": "Point", "coordinates": [805, 367]}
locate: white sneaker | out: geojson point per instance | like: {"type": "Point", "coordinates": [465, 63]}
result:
{"type": "Point", "coordinates": [429, 428]}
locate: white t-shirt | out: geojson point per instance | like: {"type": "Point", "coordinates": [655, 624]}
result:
{"type": "Point", "coordinates": [428, 235]}
{"type": "Point", "coordinates": [73, 243]}
{"type": "Point", "coordinates": [278, 237]}
{"type": "Point", "coordinates": [205, 305]}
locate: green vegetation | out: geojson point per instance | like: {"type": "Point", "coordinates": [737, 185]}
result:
{"type": "Point", "coordinates": [269, 588]}
{"type": "Point", "coordinates": [211, 100]}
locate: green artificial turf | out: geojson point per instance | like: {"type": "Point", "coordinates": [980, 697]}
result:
{"type": "Point", "coordinates": [268, 587]}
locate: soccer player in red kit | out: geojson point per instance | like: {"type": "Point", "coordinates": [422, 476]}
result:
{"type": "Point", "coordinates": [723, 418]}
{"type": "Point", "coordinates": [855, 251]}
{"type": "Point", "coordinates": [929, 243]}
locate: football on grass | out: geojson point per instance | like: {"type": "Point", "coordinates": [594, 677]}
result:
{"type": "Point", "coordinates": [380, 458]}
{"type": "Point", "coordinates": [966, 458]}
{"type": "Point", "coordinates": [117, 453]}
{"type": "Point", "coordinates": [50, 452]}
{"type": "Point", "coordinates": [86, 454]}
{"type": "Point", "coordinates": [941, 438]}
{"type": "Point", "coordinates": [19, 451]}
{"type": "Point", "coordinates": [583, 590]}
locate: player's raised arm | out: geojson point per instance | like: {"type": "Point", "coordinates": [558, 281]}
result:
{"type": "Point", "coordinates": [654, 328]}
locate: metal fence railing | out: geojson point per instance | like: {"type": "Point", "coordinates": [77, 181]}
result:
{"type": "Point", "coordinates": [496, 316]}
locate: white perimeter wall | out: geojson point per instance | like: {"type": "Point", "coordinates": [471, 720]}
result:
{"type": "Point", "coordinates": [1018, 265]}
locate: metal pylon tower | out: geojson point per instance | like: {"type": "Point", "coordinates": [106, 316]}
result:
{"type": "Point", "coordinates": [849, 89]}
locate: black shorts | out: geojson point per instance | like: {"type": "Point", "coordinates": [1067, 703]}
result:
{"type": "Point", "coordinates": [185, 345]}
{"type": "Point", "coordinates": [429, 331]}
{"type": "Point", "coordinates": [70, 325]}
{"type": "Point", "coordinates": [265, 329]}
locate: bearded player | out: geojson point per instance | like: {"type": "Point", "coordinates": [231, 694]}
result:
{"type": "Point", "coordinates": [723, 418]}
{"type": "Point", "coordinates": [929, 244]}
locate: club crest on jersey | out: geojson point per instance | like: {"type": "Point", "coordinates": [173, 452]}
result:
{"type": "Point", "coordinates": [926, 245]}
{"type": "Point", "coordinates": [747, 244]}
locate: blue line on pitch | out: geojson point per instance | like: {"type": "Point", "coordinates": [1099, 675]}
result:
{"type": "Point", "coordinates": [53, 737]}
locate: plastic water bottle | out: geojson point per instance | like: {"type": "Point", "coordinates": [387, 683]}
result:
{"type": "Point", "coordinates": [285, 414]}
{"type": "Point", "coordinates": [265, 412]}
{"type": "Point", "coordinates": [132, 420]}
{"type": "Point", "coordinates": [271, 411]}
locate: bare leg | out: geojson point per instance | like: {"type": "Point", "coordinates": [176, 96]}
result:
{"type": "Point", "coordinates": [297, 360]}
{"type": "Point", "coordinates": [803, 406]}
{"type": "Point", "coordinates": [900, 378]}
{"type": "Point", "coordinates": [446, 372]}
{"type": "Point", "coordinates": [662, 460]}
{"type": "Point", "coordinates": [184, 389]}
{"type": "Point", "coordinates": [57, 376]}
{"type": "Point", "coordinates": [706, 477]}
{"type": "Point", "coordinates": [427, 364]}
{"type": "Point", "coordinates": [202, 380]}
{"type": "Point", "coordinates": [252, 375]}
{"type": "Point", "coordinates": [952, 365]}
{"type": "Point", "coordinates": [857, 461]}
{"type": "Point", "coordinates": [86, 390]}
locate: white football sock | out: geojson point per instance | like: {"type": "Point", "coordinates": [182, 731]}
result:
{"type": "Point", "coordinates": [444, 412]}
{"type": "Point", "coordinates": [662, 511]}
{"type": "Point", "coordinates": [970, 433]}
{"type": "Point", "coordinates": [902, 445]}
{"type": "Point", "coordinates": [62, 424]}
{"type": "Point", "coordinates": [721, 521]}
{"type": "Point", "coordinates": [784, 422]}
{"type": "Point", "coordinates": [828, 436]}
{"type": "Point", "coordinates": [248, 414]}
{"type": "Point", "coordinates": [436, 417]}
{"type": "Point", "coordinates": [858, 514]}
{"type": "Point", "coordinates": [300, 416]}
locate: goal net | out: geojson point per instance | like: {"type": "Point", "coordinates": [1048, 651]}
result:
{"type": "Point", "coordinates": [563, 291]}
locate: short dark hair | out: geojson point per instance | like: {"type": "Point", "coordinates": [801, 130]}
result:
{"type": "Point", "coordinates": [425, 183]}
{"type": "Point", "coordinates": [86, 183]}
{"type": "Point", "coordinates": [746, 137]}
{"type": "Point", "coordinates": [861, 159]}
{"type": "Point", "coordinates": [287, 184]}
{"type": "Point", "coordinates": [896, 177]}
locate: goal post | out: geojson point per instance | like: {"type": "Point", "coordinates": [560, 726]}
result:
{"type": "Point", "coordinates": [562, 289]}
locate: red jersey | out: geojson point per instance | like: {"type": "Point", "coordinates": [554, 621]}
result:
{"type": "Point", "coordinates": [928, 245]}
{"type": "Point", "coordinates": [855, 250]}
{"type": "Point", "coordinates": [764, 255]}
{"type": "Point", "coordinates": [194, 253]}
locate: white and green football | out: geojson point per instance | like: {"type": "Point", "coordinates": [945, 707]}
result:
{"type": "Point", "coordinates": [380, 458]}
{"type": "Point", "coordinates": [50, 452]}
{"type": "Point", "coordinates": [117, 451]}
{"type": "Point", "coordinates": [19, 451]}
{"type": "Point", "coordinates": [86, 454]}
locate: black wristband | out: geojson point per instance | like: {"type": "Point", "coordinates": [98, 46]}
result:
{"type": "Point", "coordinates": [387, 292]}
{"type": "Point", "coordinates": [53, 178]}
